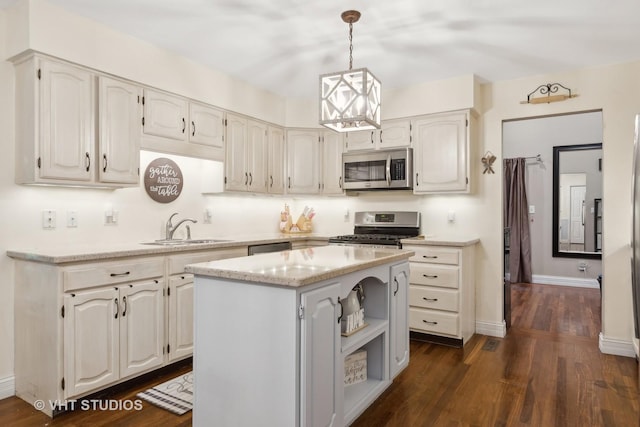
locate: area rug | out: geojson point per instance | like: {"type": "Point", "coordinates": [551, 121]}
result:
{"type": "Point", "coordinates": [175, 395]}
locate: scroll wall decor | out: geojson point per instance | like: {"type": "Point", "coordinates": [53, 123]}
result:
{"type": "Point", "coordinates": [549, 93]}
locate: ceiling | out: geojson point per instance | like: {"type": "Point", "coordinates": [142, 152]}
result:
{"type": "Point", "coordinates": [283, 45]}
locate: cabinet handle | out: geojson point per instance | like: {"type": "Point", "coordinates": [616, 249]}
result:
{"type": "Point", "coordinates": [117, 308]}
{"type": "Point", "coordinates": [430, 276]}
{"type": "Point", "coordinates": [341, 310]}
{"type": "Point", "coordinates": [429, 323]}
{"type": "Point", "coordinates": [88, 160]}
{"type": "Point", "coordinates": [184, 125]}
{"type": "Point", "coordinates": [397, 286]}
{"type": "Point", "coordinates": [430, 299]}
{"type": "Point", "coordinates": [250, 179]}
{"type": "Point", "coordinates": [193, 125]}
{"type": "Point", "coordinates": [289, 182]}
{"type": "Point", "coordinates": [126, 273]}
{"type": "Point", "coordinates": [417, 182]}
{"type": "Point", "coordinates": [246, 178]}
{"type": "Point", "coordinates": [104, 161]}
{"type": "Point", "coordinates": [271, 181]}
{"type": "Point", "coordinates": [340, 182]}
{"type": "Point", "coordinates": [124, 310]}
{"type": "Point", "coordinates": [372, 137]}
{"type": "Point", "coordinates": [430, 256]}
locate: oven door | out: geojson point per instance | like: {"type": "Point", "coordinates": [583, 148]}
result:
{"type": "Point", "coordinates": [378, 170]}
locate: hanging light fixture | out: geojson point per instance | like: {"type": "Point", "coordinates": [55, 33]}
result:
{"type": "Point", "coordinates": [350, 100]}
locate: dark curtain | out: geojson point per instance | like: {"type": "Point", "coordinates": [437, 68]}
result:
{"type": "Point", "coordinates": [516, 216]}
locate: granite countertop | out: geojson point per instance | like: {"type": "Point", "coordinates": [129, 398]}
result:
{"type": "Point", "coordinates": [299, 267]}
{"type": "Point", "coordinates": [101, 252]}
{"type": "Point", "coordinates": [455, 241]}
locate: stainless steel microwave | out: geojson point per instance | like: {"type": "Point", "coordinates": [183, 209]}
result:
{"type": "Point", "coordinates": [378, 170]}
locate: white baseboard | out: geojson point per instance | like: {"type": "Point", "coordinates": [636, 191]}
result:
{"type": "Point", "coordinates": [616, 347]}
{"type": "Point", "coordinates": [7, 387]}
{"type": "Point", "coordinates": [576, 282]}
{"type": "Point", "coordinates": [491, 329]}
{"type": "Point", "coordinates": [565, 281]}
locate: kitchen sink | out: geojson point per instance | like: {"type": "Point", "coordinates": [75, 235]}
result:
{"type": "Point", "coordinates": [182, 242]}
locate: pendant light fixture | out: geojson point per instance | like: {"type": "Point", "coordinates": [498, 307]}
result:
{"type": "Point", "coordinates": [350, 100]}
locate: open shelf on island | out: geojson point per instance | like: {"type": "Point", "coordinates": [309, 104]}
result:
{"type": "Point", "coordinates": [353, 342]}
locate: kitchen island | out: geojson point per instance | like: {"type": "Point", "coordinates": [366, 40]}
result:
{"type": "Point", "coordinates": [269, 348]}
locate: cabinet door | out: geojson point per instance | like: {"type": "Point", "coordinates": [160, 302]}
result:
{"type": "Point", "coordinates": [276, 160]}
{"type": "Point", "coordinates": [141, 327]}
{"type": "Point", "coordinates": [165, 115]}
{"type": "Point", "coordinates": [395, 133]}
{"type": "Point", "coordinates": [91, 338]}
{"type": "Point", "coordinates": [332, 147]}
{"type": "Point", "coordinates": [66, 122]}
{"type": "Point", "coordinates": [440, 154]}
{"type": "Point", "coordinates": [361, 140]}
{"type": "Point", "coordinates": [321, 369]}
{"type": "Point", "coordinates": [303, 162]}
{"type": "Point", "coordinates": [399, 319]}
{"type": "Point", "coordinates": [180, 316]}
{"type": "Point", "coordinates": [257, 158]}
{"type": "Point", "coordinates": [119, 130]}
{"type": "Point", "coordinates": [206, 126]}
{"type": "Point", "coordinates": [236, 176]}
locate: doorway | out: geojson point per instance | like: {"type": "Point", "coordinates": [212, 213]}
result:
{"type": "Point", "coordinates": [535, 138]}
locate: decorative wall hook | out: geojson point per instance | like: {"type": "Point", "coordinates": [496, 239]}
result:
{"type": "Point", "coordinates": [548, 90]}
{"type": "Point", "coordinates": [487, 162]}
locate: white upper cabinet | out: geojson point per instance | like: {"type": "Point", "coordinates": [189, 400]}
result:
{"type": "Point", "coordinates": [119, 130]}
{"type": "Point", "coordinates": [58, 118]}
{"type": "Point", "coordinates": [303, 161]}
{"type": "Point", "coordinates": [441, 153]}
{"type": "Point", "coordinates": [276, 165]}
{"type": "Point", "coordinates": [332, 147]}
{"type": "Point", "coordinates": [236, 177]}
{"type": "Point", "coordinates": [361, 140]}
{"type": "Point", "coordinates": [246, 160]}
{"type": "Point", "coordinates": [392, 134]}
{"type": "Point", "coordinates": [395, 133]}
{"type": "Point", "coordinates": [165, 115]}
{"type": "Point", "coordinates": [175, 124]}
{"type": "Point", "coordinates": [206, 126]}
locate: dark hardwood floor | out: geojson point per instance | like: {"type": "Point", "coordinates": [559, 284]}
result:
{"type": "Point", "coordinates": [547, 371]}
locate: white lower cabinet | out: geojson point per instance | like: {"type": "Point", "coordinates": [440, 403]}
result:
{"type": "Point", "coordinates": [84, 326]}
{"type": "Point", "coordinates": [112, 333]}
{"type": "Point", "coordinates": [399, 319]}
{"type": "Point", "coordinates": [442, 292]}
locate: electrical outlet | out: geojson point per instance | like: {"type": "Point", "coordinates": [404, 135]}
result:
{"type": "Point", "coordinates": [72, 219]}
{"type": "Point", "coordinates": [48, 219]}
{"type": "Point", "coordinates": [208, 215]}
{"type": "Point", "coordinates": [451, 216]}
{"type": "Point", "coordinates": [583, 265]}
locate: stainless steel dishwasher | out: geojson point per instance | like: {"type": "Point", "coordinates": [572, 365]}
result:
{"type": "Point", "coordinates": [269, 247]}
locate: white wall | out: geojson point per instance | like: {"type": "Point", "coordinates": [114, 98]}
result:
{"type": "Point", "coordinates": [614, 89]}
{"type": "Point", "coordinates": [528, 138]}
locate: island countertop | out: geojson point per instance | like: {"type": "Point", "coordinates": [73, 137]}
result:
{"type": "Point", "coordinates": [299, 267]}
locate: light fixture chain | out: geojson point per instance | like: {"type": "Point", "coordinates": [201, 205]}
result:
{"type": "Point", "coordinates": [350, 46]}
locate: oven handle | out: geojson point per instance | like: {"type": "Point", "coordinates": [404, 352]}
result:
{"type": "Point", "coordinates": [388, 170]}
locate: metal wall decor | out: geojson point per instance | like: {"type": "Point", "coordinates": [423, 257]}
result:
{"type": "Point", "coordinates": [551, 92]}
{"type": "Point", "coordinates": [487, 162]}
{"type": "Point", "coordinates": [163, 180]}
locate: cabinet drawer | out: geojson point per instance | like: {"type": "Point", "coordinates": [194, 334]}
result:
{"type": "Point", "coordinates": [434, 275]}
{"type": "Point", "coordinates": [178, 262]}
{"type": "Point", "coordinates": [434, 255]}
{"type": "Point", "coordinates": [435, 298]}
{"type": "Point", "coordinates": [112, 272]}
{"type": "Point", "coordinates": [432, 321]}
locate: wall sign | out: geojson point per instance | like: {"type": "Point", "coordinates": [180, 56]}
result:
{"type": "Point", "coordinates": [163, 180]}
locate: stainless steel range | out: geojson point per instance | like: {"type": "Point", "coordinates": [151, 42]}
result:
{"type": "Point", "coordinates": [382, 229]}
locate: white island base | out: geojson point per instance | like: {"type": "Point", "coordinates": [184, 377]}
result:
{"type": "Point", "coordinates": [268, 344]}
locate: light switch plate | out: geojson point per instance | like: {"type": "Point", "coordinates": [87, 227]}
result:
{"type": "Point", "coordinates": [532, 209]}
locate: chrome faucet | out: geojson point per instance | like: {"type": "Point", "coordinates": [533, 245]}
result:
{"type": "Point", "coordinates": [170, 228]}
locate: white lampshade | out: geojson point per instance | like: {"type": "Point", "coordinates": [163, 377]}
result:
{"type": "Point", "coordinates": [350, 100]}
